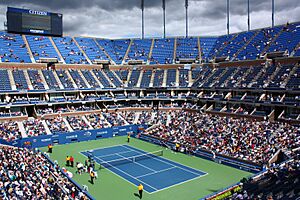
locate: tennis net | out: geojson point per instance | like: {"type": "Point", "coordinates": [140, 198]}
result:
{"type": "Point", "coordinates": [132, 159]}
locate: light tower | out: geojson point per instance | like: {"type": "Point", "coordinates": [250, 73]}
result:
{"type": "Point", "coordinates": [164, 16]}
{"type": "Point", "coordinates": [186, 18]}
{"type": "Point", "coordinates": [142, 8]}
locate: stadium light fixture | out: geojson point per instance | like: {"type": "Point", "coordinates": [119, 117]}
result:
{"type": "Point", "coordinates": [142, 8]}
{"type": "Point", "coordinates": [248, 15]}
{"type": "Point", "coordinates": [186, 18]}
{"type": "Point", "coordinates": [227, 17]}
{"type": "Point", "coordinates": [273, 11]}
{"type": "Point", "coordinates": [164, 16]}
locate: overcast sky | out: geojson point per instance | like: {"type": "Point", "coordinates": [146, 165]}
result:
{"type": "Point", "coordinates": [122, 18]}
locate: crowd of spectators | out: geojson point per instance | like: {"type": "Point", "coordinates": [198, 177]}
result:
{"type": "Point", "coordinates": [9, 131]}
{"type": "Point", "coordinates": [57, 125]}
{"type": "Point", "coordinates": [97, 121]}
{"type": "Point", "coordinates": [254, 141]}
{"type": "Point", "coordinates": [77, 123]}
{"type": "Point", "coordinates": [34, 127]}
{"type": "Point", "coordinates": [279, 182]}
{"type": "Point", "coordinates": [114, 119]}
{"type": "Point", "coordinates": [26, 174]}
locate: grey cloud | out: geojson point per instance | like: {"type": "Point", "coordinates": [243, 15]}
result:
{"type": "Point", "coordinates": [122, 18]}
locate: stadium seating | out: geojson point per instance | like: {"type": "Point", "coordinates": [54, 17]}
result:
{"type": "Point", "coordinates": [13, 48]}
{"type": "Point", "coordinates": [64, 79]}
{"type": "Point", "coordinates": [50, 79]}
{"type": "Point", "coordinates": [139, 50]}
{"type": "Point", "coordinates": [69, 50]}
{"type": "Point", "coordinates": [90, 47]}
{"type": "Point", "coordinates": [162, 52]}
{"type": "Point", "coordinates": [28, 174]}
{"type": "Point", "coordinates": [146, 78]}
{"type": "Point", "coordinates": [4, 81]}
{"type": "Point", "coordinates": [187, 48]}
{"type": "Point", "coordinates": [287, 40]}
{"type": "Point", "coordinates": [35, 79]}
{"type": "Point", "coordinates": [20, 80]}
{"type": "Point", "coordinates": [115, 48]}
{"type": "Point", "coordinates": [41, 47]}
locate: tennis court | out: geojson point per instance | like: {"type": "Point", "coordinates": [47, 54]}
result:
{"type": "Point", "coordinates": [136, 166]}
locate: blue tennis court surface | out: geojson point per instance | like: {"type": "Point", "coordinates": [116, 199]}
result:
{"type": "Point", "coordinates": [155, 173]}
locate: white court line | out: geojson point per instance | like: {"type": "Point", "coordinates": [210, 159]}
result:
{"type": "Point", "coordinates": [137, 163]}
{"type": "Point", "coordinates": [129, 175]}
{"type": "Point", "coordinates": [180, 183]}
{"type": "Point", "coordinates": [170, 163]}
{"type": "Point", "coordinates": [112, 154]}
{"type": "Point", "coordinates": [156, 190]}
{"type": "Point", "coordinates": [123, 177]}
{"type": "Point", "coordinates": [155, 172]}
{"type": "Point", "coordinates": [106, 147]}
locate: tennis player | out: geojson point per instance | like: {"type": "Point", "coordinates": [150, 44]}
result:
{"type": "Point", "coordinates": [50, 147]}
{"type": "Point", "coordinates": [140, 188]}
{"type": "Point", "coordinates": [128, 137]}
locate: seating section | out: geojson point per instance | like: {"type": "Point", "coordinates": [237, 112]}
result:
{"type": "Point", "coordinates": [113, 78]}
{"type": "Point", "coordinates": [236, 44]}
{"type": "Point", "coordinates": [34, 127]}
{"type": "Point", "coordinates": [64, 79]}
{"type": "Point", "coordinates": [20, 80]}
{"type": "Point", "coordinates": [13, 48]}
{"type": "Point", "coordinates": [97, 121]}
{"type": "Point", "coordinates": [294, 80]}
{"type": "Point", "coordinates": [9, 131]}
{"type": "Point", "coordinates": [115, 48]}
{"type": "Point", "coordinates": [4, 81]}
{"type": "Point", "coordinates": [90, 78]}
{"type": "Point", "coordinates": [171, 77]}
{"type": "Point", "coordinates": [203, 124]}
{"type": "Point", "coordinates": [187, 48]}
{"type": "Point", "coordinates": [253, 50]}
{"type": "Point", "coordinates": [41, 47]}
{"type": "Point", "coordinates": [146, 79]}
{"type": "Point", "coordinates": [139, 50]}
{"type": "Point", "coordinates": [158, 78]}
{"type": "Point", "coordinates": [35, 79]}
{"type": "Point", "coordinates": [91, 49]}
{"type": "Point", "coordinates": [50, 79]}
{"type": "Point", "coordinates": [134, 78]}
{"type": "Point", "coordinates": [103, 80]}
{"type": "Point", "coordinates": [183, 78]}
{"type": "Point", "coordinates": [207, 45]}
{"type": "Point", "coordinates": [114, 119]}
{"type": "Point", "coordinates": [77, 78]}
{"type": "Point", "coordinates": [57, 125]}
{"type": "Point", "coordinates": [77, 123]}
{"type": "Point", "coordinates": [281, 182]}
{"type": "Point", "coordinates": [220, 44]}
{"type": "Point", "coordinates": [27, 174]}
{"type": "Point", "coordinates": [162, 52]}
{"type": "Point", "coordinates": [287, 40]}
{"type": "Point", "coordinates": [69, 50]}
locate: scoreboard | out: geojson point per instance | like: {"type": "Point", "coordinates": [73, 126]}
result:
{"type": "Point", "coordinates": [34, 22]}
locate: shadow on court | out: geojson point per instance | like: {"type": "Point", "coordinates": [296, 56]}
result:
{"type": "Point", "coordinates": [137, 195]}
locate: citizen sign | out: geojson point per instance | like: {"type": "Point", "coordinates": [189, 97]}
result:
{"type": "Point", "coordinates": [35, 12]}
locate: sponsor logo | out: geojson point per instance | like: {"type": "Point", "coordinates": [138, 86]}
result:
{"type": "Point", "coordinates": [36, 31]}
{"type": "Point", "coordinates": [101, 132]}
{"type": "Point", "coordinates": [36, 12]}
{"type": "Point", "coordinates": [71, 136]}
{"type": "Point", "coordinates": [46, 140]}
{"type": "Point", "coordinates": [122, 129]}
{"type": "Point", "coordinates": [87, 134]}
